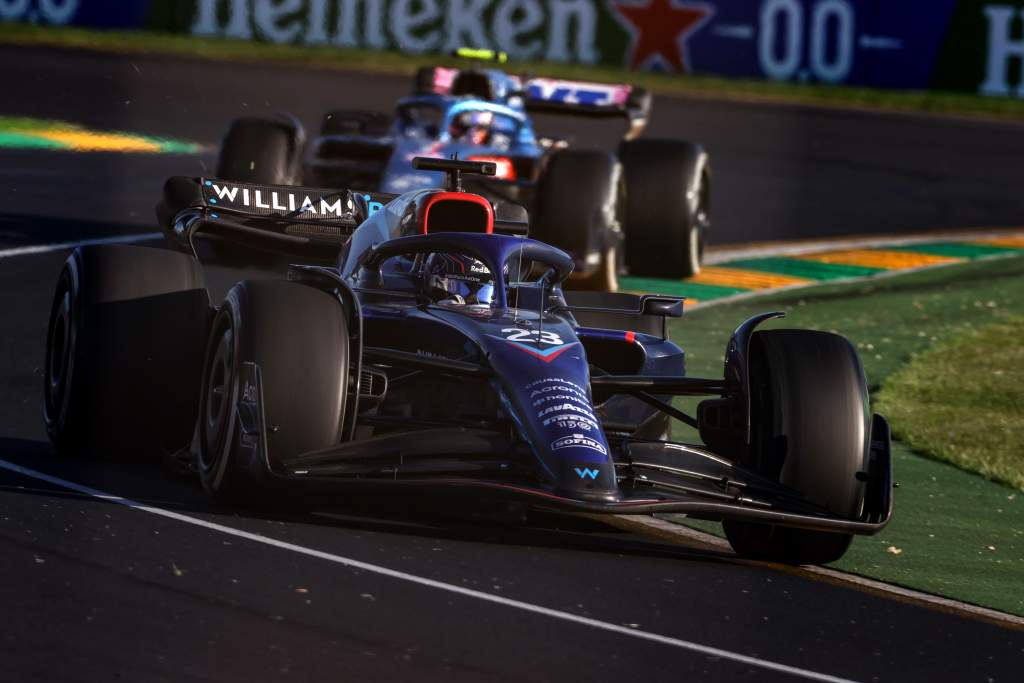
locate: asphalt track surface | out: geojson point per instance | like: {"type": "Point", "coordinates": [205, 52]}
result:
{"type": "Point", "coordinates": [94, 589]}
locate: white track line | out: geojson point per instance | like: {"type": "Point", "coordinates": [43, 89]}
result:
{"type": "Point", "coordinates": [47, 248]}
{"type": "Point", "coordinates": [430, 583]}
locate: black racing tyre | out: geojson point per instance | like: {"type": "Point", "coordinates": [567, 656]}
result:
{"type": "Point", "coordinates": [355, 122]}
{"type": "Point", "coordinates": [298, 337]}
{"type": "Point", "coordinates": [577, 209]}
{"type": "Point", "coordinates": [811, 431]}
{"type": "Point", "coordinates": [668, 206]}
{"type": "Point", "coordinates": [124, 351]}
{"type": "Point", "coordinates": [261, 151]}
{"type": "Point", "coordinates": [423, 80]}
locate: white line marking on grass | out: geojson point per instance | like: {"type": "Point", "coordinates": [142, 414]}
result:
{"type": "Point", "coordinates": [47, 248]}
{"type": "Point", "coordinates": [430, 583]}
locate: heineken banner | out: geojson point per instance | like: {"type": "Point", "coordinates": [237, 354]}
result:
{"type": "Point", "coordinates": [968, 45]}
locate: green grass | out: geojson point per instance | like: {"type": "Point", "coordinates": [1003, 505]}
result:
{"type": "Point", "coordinates": [962, 401]}
{"type": "Point", "coordinates": [954, 533]}
{"type": "Point", "coordinates": [135, 42]}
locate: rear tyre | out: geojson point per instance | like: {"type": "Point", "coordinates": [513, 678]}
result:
{"type": "Point", "coordinates": [577, 209]}
{"type": "Point", "coordinates": [423, 80]}
{"type": "Point", "coordinates": [812, 433]}
{"type": "Point", "coordinates": [668, 205]}
{"type": "Point", "coordinates": [298, 337]}
{"type": "Point", "coordinates": [262, 151]}
{"type": "Point", "coordinates": [124, 351]}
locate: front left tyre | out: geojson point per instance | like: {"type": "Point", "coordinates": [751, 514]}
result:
{"type": "Point", "coordinates": [124, 351]}
{"type": "Point", "coordinates": [297, 337]}
{"type": "Point", "coordinates": [811, 432]}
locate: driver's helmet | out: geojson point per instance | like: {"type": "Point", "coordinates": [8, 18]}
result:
{"type": "Point", "coordinates": [471, 126]}
{"type": "Point", "coordinates": [455, 279]}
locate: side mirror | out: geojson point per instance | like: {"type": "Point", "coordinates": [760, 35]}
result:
{"type": "Point", "coordinates": [666, 306]}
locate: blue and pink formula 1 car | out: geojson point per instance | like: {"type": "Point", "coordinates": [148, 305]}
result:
{"type": "Point", "coordinates": [426, 347]}
{"type": "Point", "coordinates": [644, 207]}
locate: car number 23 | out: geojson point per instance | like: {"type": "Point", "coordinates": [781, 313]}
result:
{"type": "Point", "coordinates": [537, 336]}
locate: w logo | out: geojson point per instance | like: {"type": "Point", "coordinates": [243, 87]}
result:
{"type": "Point", "coordinates": [586, 472]}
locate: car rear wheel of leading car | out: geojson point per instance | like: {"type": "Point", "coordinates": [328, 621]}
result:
{"type": "Point", "coordinates": [124, 351]}
{"type": "Point", "coordinates": [577, 209]}
{"type": "Point", "coordinates": [811, 432]}
{"type": "Point", "coordinates": [297, 337]}
{"type": "Point", "coordinates": [262, 151]}
{"type": "Point", "coordinates": [668, 205]}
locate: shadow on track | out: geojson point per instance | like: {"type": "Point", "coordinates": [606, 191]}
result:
{"type": "Point", "coordinates": [423, 517]}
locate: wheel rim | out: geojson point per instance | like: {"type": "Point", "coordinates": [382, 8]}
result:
{"type": "Point", "coordinates": [215, 412]}
{"type": "Point", "coordinates": [60, 352]}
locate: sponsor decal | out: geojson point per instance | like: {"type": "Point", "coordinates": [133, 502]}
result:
{"type": "Point", "coordinates": [545, 387]}
{"type": "Point", "coordinates": [575, 92]}
{"type": "Point", "coordinates": [554, 30]}
{"type": "Point", "coordinates": [372, 207]}
{"type": "Point", "coordinates": [966, 45]}
{"type": "Point", "coordinates": [585, 472]}
{"type": "Point", "coordinates": [265, 200]}
{"type": "Point", "coordinates": [566, 407]}
{"type": "Point", "coordinates": [558, 397]}
{"type": "Point", "coordinates": [578, 441]}
{"type": "Point", "coordinates": [58, 12]}
{"type": "Point", "coordinates": [572, 421]}
{"type": "Point", "coordinates": [559, 380]}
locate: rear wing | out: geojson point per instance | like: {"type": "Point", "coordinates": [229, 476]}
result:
{"type": "Point", "coordinates": [283, 217]}
{"type": "Point", "coordinates": [586, 98]}
{"type": "Point", "coordinates": [549, 95]}
{"type": "Point", "coordinates": [275, 216]}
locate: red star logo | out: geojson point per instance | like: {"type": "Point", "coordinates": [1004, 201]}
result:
{"type": "Point", "coordinates": [659, 28]}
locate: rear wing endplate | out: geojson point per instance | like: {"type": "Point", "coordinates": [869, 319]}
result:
{"type": "Point", "coordinates": [586, 98]}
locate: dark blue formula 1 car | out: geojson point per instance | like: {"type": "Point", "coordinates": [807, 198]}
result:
{"type": "Point", "coordinates": [439, 355]}
{"type": "Point", "coordinates": [646, 207]}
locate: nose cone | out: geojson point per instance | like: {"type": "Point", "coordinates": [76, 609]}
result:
{"type": "Point", "coordinates": [546, 381]}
